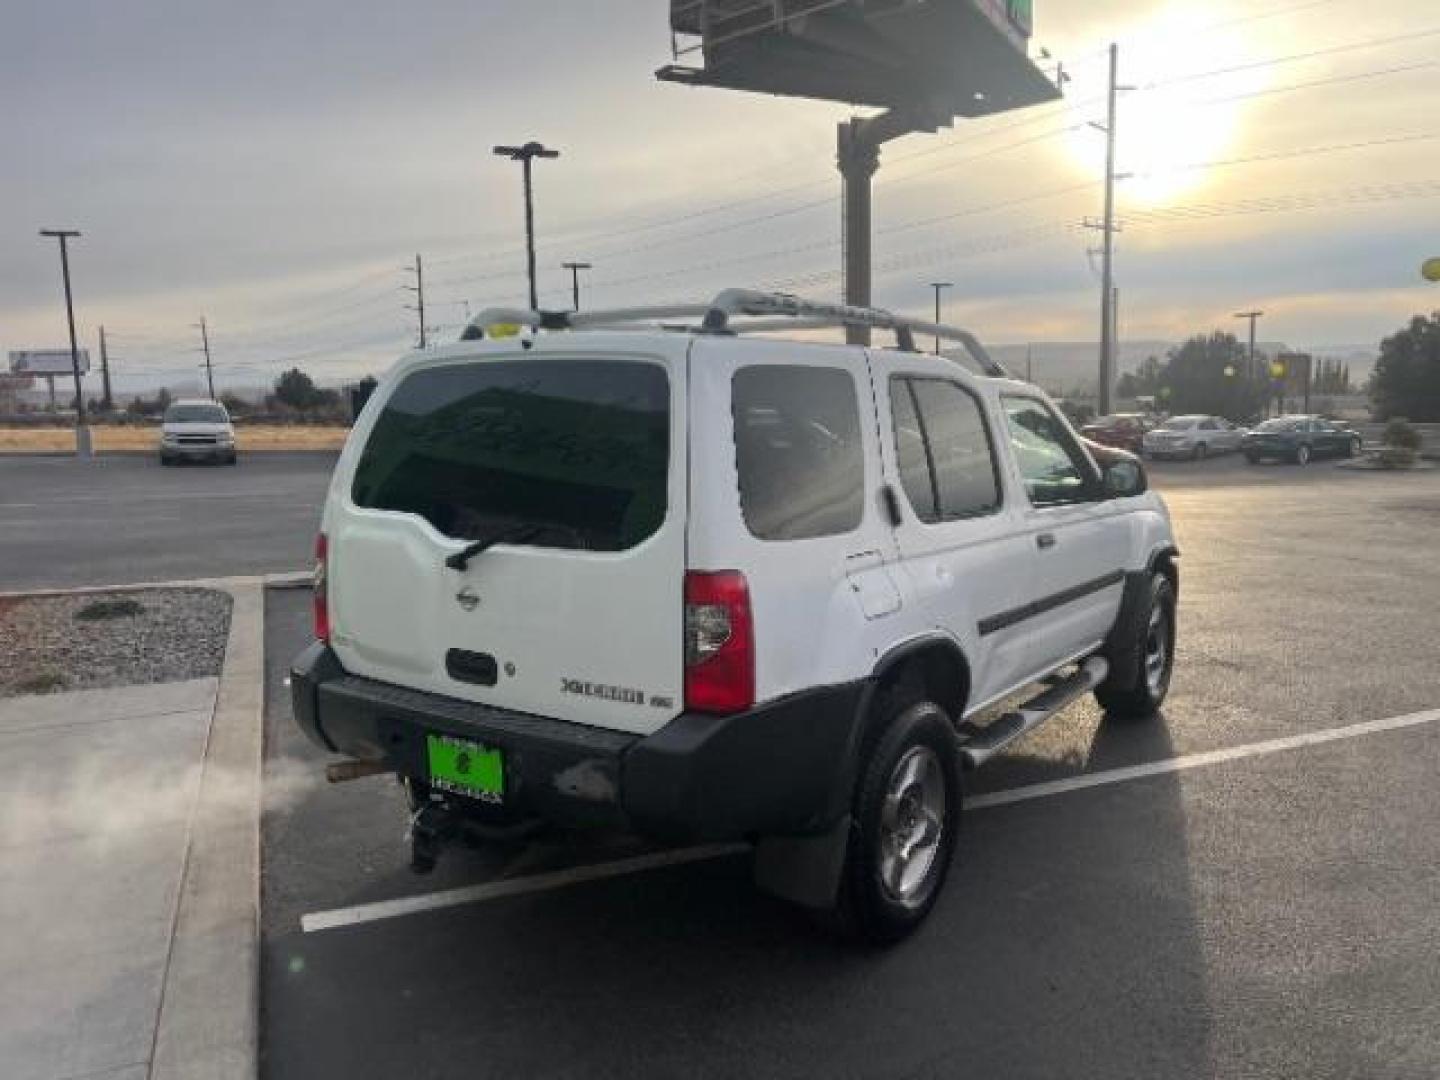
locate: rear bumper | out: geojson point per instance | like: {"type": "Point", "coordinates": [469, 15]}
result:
{"type": "Point", "coordinates": [782, 768]}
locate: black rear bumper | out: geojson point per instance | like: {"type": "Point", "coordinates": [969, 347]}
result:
{"type": "Point", "coordinates": [782, 768]}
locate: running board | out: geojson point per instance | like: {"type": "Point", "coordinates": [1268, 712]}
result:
{"type": "Point", "coordinates": [996, 736]}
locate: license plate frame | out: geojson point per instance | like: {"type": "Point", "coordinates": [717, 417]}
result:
{"type": "Point", "coordinates": [466, 767]}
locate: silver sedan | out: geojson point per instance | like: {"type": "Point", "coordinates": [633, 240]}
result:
{"type": "Point", "coordinates": [1193, 437]}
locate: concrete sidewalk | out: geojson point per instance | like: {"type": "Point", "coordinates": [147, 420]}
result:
{"type": "Point", "coordinates": [129, 874]}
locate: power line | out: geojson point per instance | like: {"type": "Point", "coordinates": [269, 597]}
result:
{"type": "Point", "coordinates": [1293, 58]}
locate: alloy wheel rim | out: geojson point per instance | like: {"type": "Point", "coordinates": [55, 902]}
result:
{"type": "Point", "coordinates": [912, 823]}
{"type": "Point", "coordinates": [1157, 651]}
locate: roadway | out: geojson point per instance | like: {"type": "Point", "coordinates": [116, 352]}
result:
{"type": "Point", "coordinates": [121, 519]}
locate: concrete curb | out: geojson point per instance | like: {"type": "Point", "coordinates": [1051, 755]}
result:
{"type": "Point", "coordinates": [209, 1021]}
{"type": "Point", "coordinates": [293, 579]}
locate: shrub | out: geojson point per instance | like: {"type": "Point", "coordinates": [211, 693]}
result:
{"type": "Point", "coordinates": [1402, 435]}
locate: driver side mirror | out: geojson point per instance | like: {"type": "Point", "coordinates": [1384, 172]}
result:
{"type": "Point", "coordinates": [1124, 479]}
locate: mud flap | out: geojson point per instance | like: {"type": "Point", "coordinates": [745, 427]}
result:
{"type": "Point", "coordinates": [803, 869]}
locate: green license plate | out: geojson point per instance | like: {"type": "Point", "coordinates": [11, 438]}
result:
{"type": "Point", "coordinates": [466, 768]}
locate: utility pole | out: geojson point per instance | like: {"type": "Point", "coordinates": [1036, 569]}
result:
{"type": "Point", "coordinates": [1029, 358]}
{"type": "Point", "coordinates": [937, 286]}
{"type": "Point", "coordinates": [1250, 362]}
{"type": "Point", "coordinates": [209, 368]}
{"type": "Point", "coordinates": [107, 401]}
{"type": "Point", "coordinates": [1107, 312]}
{"type": "Point", "coordinates": [526, 155]}
{"type": "Point", "coordinates": [575, 268]}
{"type": "Point", "coordinates": [419, 290]}
{"type": "Point", "coordinates": [82, 433]}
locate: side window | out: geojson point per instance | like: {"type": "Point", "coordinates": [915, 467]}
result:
{"type": "Point", "coordinates": [1052, 465]}
{"type": "Point", "coordinates": [797, 451]}
{"type": "Point", "coordinates": [1209, 425]}
{"type": "Point", "coordinates": [947, 463]}
{"type": "Point", "coordinates": [911, 456]}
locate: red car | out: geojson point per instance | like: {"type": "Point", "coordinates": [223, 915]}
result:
{"type": "Point", "coordinates": [1122, 430]}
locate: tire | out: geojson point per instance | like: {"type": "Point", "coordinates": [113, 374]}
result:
{"type": "Point", "coordinates": [1201, 452]}
{"type": "Point", "coordinates": [907, 794]}
{"type": "Point", "coordinates": [1352, 448]}
{"type": "Point", "coordinates": [233, 459]}
{"type": "Point", "coordinates": [1138, 693]}
{"type": "Point", "coordinates": [1253, 459]}
{"type": "Point", "coordinates": [1302, 455]}
{"type": "Point", "coordinates": [167, 461]}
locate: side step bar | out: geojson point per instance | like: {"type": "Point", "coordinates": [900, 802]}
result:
{"type": "Point", "coordinates": [996, 736]}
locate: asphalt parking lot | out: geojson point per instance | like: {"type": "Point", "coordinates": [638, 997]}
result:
{"type": "Point", "coordinates": [122, 518]}
{"type": "Point", "coordinates": [1273, 912]}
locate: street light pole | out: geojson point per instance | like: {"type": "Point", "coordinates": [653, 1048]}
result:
{"type": "Point", "coordinates": [205, 345]}
{"type": "Point", "coordinates": [82, 433]}
{"type": "Point", "coordinates": [575, 268]}
{"type": "Point", "coordinates": [525, 155]}
{"type": "Point", "coordinates": [937, 286]}
{"type": "Point", "coordinates": [1250, 362]}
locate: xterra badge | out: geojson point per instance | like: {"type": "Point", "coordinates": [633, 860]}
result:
{"type": "Point", "coordinates": [600, 690]}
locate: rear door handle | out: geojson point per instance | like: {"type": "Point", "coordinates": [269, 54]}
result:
{"type": "Point", "coordinates": [1045, 541]}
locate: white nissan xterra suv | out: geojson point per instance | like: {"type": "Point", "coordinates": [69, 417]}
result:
{"type": "Point", "coordinates": [703, 586]}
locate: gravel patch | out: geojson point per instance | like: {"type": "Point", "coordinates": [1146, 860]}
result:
{"type": "Point", "coordinates": [86, 641]}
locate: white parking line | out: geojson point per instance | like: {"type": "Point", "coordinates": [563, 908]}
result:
{"type": "Point", "coordinates": [557, 879]}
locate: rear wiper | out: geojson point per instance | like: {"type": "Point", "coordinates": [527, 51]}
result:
{"type": "Point", "coordinates": [461, 559]}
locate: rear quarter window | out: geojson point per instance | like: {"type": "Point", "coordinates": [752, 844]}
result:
{"type": "Point", "coordinates": [578, 448]}
{"type": "Point", "coordinates": [798, 453]}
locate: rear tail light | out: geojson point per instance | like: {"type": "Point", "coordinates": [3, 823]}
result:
{"type": "Point", "coordinates": [321, 585]}
{"type": "Point", "coordinates": [719, 643]}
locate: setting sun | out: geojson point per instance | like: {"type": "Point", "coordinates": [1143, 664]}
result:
{"type": "Point", "coordinates": [1173, 115]}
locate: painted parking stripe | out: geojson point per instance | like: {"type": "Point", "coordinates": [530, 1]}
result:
{"type": "Point", "coordinates": [555, 879]}
{"type": "Point", "coordinates": [559, 879]}
{"type": "Point", "coordinates": [1198, 761]}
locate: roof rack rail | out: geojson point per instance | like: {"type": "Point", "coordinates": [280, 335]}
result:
{"type": "Point", "coordinates": [735, 311]}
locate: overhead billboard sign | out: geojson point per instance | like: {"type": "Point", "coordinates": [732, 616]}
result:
{"type": "Point", "coordinates": [46, 361]}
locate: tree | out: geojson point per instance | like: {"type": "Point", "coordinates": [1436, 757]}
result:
{"type": "Point", "coordinates": [1207, 374]}
{"type": "Point", "coordinates": [234, 404]}
{"type": "Point", "coordinates": [297, 390]}
{"type": "Point", "coordinates": [1406, 380]}
{"type": "Point", "coordinates": [1144, 381]}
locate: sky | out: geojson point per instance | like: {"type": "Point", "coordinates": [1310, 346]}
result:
{"type": "Point", "coordinates": [277, 166]}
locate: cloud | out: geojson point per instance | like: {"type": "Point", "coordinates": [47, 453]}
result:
{"type": "Point", "coordinates": [274, 165]}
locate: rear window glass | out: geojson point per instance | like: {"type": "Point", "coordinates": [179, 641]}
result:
{"type": "Point", "coordinates": [578, 449]}
{"type": "Point", "coordinates": [797, 451]}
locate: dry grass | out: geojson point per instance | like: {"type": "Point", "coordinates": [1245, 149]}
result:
{"type": "Point", "coordinates": [260, 437]}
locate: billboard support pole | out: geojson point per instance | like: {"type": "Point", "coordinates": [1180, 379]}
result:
{"type": "Point", "coordinates": [857, 154]}
{"type": "Point", "coordinates": [82, 433]}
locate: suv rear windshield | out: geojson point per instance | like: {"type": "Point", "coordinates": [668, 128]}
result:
{"type": "Point", "coordinates": [580, 449]}
{"type": "Point", "coordinates": [196, 414]}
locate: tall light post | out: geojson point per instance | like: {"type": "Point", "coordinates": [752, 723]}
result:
{"type": "Point", "coordinates": [575, 268]}
{"type": "Point", "coordinates": [525, 155]}
{"type": "Point", "coordinates": [82, 433]}
{"type": "Point", "coordinates": [1250, 361]}
{"type": "Point", "coordinates": [938, 286]}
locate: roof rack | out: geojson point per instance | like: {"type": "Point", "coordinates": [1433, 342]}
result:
{"type": "Point", "coordinates": [736, 311]}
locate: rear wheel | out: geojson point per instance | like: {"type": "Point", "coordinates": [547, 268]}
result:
{"type": "Point", "coordinates": [1201, 452]}
{"type": "Point", "coordinates": [1352, 448]}
{"type": "Point", "coordinates": [1253, 459]}
{"type": "Point", "coordinates": [904, 817]}
{"type": "Point", "coordinates": [1136, 690]}
{"type": "Point", "coordinates": [1302, 455]}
